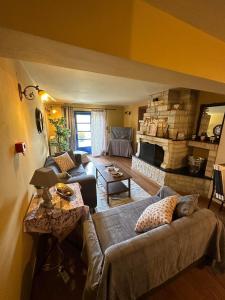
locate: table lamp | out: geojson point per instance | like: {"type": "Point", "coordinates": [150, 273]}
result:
{"type": "Point", "coordinates": [45, 178]}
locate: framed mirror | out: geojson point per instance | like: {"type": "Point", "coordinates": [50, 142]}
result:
{"type": "Point", "coordinates": [210, 123]}
{"type": "Point", "coordinates": [39, 120]}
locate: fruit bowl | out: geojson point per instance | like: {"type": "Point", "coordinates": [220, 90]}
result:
{"type": "Point", "coordinates": [64, 191]}
{"type": "Point", "coordinates": [117, 174]}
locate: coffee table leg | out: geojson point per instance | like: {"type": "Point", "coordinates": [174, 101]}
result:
{"type": "Point", "coordinates": [107, 192]}
{"type": "Point", "coordinates": [129, 187]}
{"type": "Point", "coordinates": [97, 176]}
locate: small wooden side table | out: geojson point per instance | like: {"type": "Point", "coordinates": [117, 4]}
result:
{"type": "Point", "coordinates": [59, 220]}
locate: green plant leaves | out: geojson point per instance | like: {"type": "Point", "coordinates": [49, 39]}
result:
{"type": "Point", "coordinates": [62, 133]}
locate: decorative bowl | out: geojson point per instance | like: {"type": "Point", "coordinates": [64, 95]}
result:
{"type": "Point", "coordinates": [118, 174]}
{"type": "Point", "coordinates": [110, 169]}
{"type": "Point", "coordinates": [113, 172]}
{"type": "Point", "coordinates": [64, 191]}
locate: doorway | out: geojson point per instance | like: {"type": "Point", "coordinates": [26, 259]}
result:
{"type": "Point", "coordinates": [83, 131]}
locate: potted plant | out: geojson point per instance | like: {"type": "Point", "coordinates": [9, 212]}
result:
{"type": "Point", "coordinates": [62, 134]}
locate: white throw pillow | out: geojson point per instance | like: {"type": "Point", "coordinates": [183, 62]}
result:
{"type": "Point", "coordinates": [157, 214]}
{"type": "Point", "coordinates": [64, 162]}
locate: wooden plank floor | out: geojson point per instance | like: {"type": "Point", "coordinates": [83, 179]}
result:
{"type": "Point", "coordinates": [125, 163]}
{"type": "Point", "coordinates": [195, 283]}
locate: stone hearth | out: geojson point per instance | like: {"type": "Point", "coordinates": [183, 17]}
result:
{"type": "Point", "coordinates": [181, 183]}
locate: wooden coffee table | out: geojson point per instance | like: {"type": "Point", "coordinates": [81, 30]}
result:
{"type": "Point", "coordinates": [112, 185]}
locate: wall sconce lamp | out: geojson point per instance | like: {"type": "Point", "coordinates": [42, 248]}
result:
{"type": "Point", "coordinates": [127, 112]}
{"type": "Point", "coordinates": [30, 90]}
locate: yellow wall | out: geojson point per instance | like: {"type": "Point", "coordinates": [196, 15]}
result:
{"type": "Point", "coordinates": [165, 41]}
{"type": "Point", "coordinates": [17, 123]}
{"type": "Point", "coordinates": [95, 24]}
{"type": "Point", "coordinates": [130, 28]}
{"type": "Point", "coordinates": [132, 119]}
{"type": "Point", "coordinates": [114, 117]}
{"type": "Point", "coordinates": [207, 98]}
{"type": "Point", "coordinates": [49, 114]}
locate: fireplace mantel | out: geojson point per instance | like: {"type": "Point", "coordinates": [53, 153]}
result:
{"type": "Point", "coordinates": [157, 139]}
{"type": "Point", "coordinates": [174, 151]}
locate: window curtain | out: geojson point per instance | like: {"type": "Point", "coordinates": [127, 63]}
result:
{"type": "Point", "coordinates": [98, 132]}
{"type": "Point", "coordinates": [70, 123]}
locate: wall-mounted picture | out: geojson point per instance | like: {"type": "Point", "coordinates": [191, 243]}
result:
{"type": "Point", "coordinates": [152, 127]}
{"type": "Point", "coordinates": [39, 120]}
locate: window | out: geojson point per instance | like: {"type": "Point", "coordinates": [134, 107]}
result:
{"type": "Point", "coordinates": [83, 131]}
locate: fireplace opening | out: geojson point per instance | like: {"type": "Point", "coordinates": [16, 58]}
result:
{"type": "Point", "coordinates": [151, 153]}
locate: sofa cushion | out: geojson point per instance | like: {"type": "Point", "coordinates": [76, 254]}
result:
{"type": "Point", "coordinates": [50, 163]}
{"type": "Point", "coordinates": [186, 206]}
{"type": "Point", "coordinates": [76, 158]}
{"type": "Point", "coordinates": [154, 199]}
{"type": "Point", "coordinates": [157, 214]}
{"type": "Point", "coordinates": [65, 162]}
{"type": "Point", "coordinates": [117, 224]}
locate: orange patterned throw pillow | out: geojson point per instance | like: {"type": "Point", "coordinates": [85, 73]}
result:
{"type": "Point", "coordinates": [64, 162]}
{"type": "Point", "coordinates": [157, 214]}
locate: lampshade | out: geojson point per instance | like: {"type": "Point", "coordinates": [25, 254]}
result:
{"type": "Point", "coordinates": [44, 177]}
{"type": "Point", "coordinates": [43, 94]}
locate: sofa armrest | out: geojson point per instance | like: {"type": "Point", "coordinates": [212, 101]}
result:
{"type": "Point", "coordinates": [83, 179]}
{"type": "Point", "coordinates": [93, 257]}
{"type": "Point", "coordinates": [88, 188]}
{"type": "Point", "coordinates": [165, 191]}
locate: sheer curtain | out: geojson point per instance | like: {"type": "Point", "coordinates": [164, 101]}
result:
{"type": "Point", "coordinates": [70, 123]}
{"type": "Point", "coordinates": [98, 132]}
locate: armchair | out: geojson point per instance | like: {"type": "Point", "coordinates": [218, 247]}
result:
{"type": "Point", "coordinates": [120, 141]}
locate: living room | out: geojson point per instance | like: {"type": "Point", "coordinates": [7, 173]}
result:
{"type": "Point", "coordinates": [135, 71]}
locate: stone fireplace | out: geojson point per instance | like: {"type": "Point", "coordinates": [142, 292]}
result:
{"type": "Point", "coordinates": [163, 155]}
{"type": "Point", "coordinates": [174, 151]}
{"type": "Point", "coordinates": [151, 153]}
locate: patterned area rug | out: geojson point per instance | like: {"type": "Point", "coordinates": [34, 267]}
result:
{"type": "Point", "coordinates": [137, 193]}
